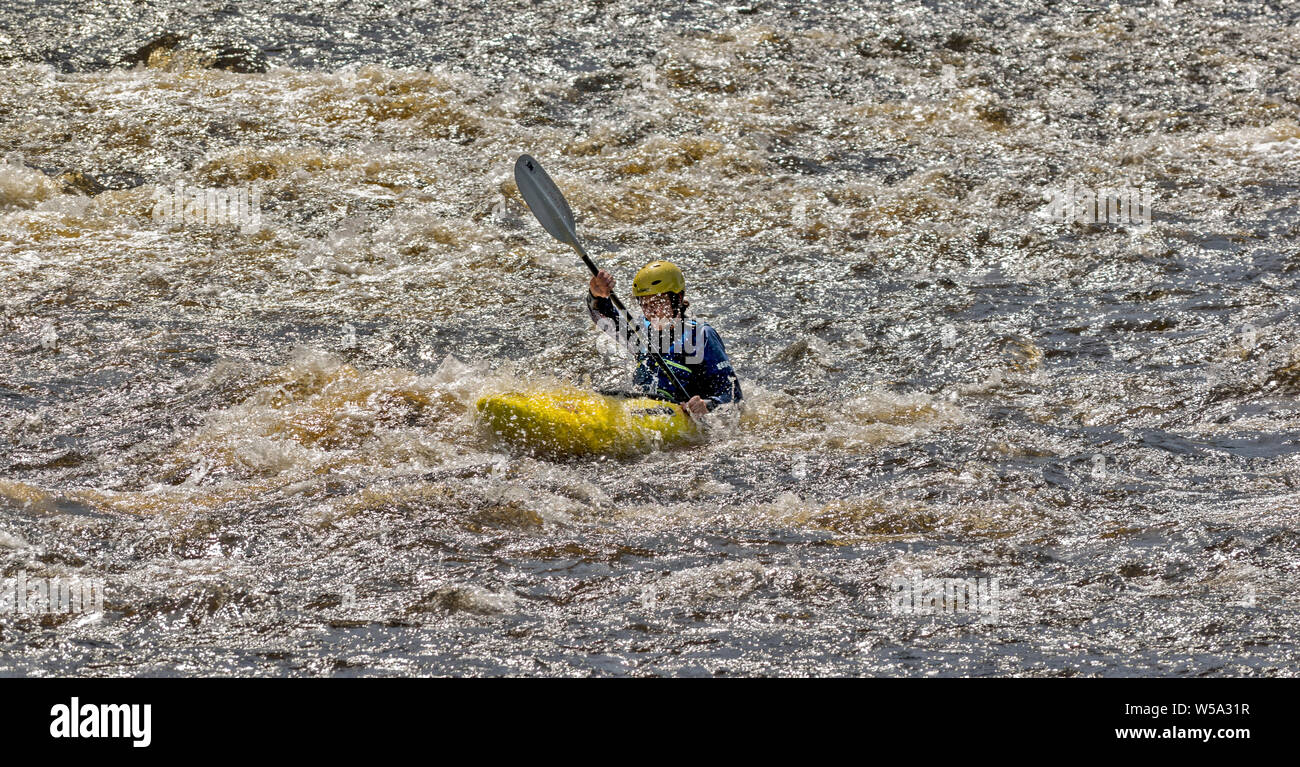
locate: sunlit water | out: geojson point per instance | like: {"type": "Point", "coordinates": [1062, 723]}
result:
{"type": "Point", "coordinates": [263, 442]}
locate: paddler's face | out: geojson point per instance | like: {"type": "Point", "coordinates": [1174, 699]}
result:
{"type": "Point", "coordinates": [658, 309]}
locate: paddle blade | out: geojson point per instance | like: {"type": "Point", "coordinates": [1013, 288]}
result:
{"type": "Point", "coordinates": [544, 199]}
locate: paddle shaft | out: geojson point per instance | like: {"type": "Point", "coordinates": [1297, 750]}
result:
{"type": "Point", "coordinates": [552, 211]}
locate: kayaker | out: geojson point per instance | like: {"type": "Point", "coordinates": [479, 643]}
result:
{"type": "Point", "coordinates": [692, 349]}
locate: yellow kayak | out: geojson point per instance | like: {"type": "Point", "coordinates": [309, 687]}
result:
{"type": "Point", "coordinates": [579, 422]}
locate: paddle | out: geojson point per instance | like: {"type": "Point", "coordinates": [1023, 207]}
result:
{"type": "Point", "coordinates": [553, 212]}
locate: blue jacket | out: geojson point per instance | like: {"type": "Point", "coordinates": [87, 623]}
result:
{"type": "Point", "coordinates": [692, 349]}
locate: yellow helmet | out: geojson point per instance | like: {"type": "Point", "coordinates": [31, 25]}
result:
{"type": "Point", "coordinates": [658, 277]}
